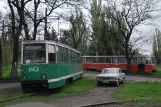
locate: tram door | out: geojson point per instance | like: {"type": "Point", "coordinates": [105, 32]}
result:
{"type": "Point", "coordinates": [141, 65]}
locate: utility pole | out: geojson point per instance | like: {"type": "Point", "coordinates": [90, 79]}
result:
{"type": "Point", "coordinates": [58, 26]}
{"type": "Point", "coordinates": [45, 30]}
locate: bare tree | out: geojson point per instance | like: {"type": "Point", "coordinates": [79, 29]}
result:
{"type": "Point", "coordinates": [16, 32]}
{"type": "Point", "coordinates": [37, 16]}
{"type": "Point", "coordinates": [134, 13]}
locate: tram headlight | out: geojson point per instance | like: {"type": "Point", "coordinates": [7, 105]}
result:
{"type": "Point", "coordinates": [24, 77]}
{"type": "Point", "coordinates": [43, 76]}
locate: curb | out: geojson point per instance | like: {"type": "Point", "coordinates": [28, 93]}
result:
{"type": "Point", "coordinates": [143, 76]}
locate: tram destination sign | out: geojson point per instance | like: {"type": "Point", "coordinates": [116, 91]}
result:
{"type": "Point", "coordinates": [34, 47]}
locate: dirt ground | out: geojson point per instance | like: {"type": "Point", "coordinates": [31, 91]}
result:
{"type": "Point", "coordinates": [97, 95]}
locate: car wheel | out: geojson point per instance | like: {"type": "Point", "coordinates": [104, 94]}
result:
{"type": "Point", "coordinates": [99, 83]}
{"type": "Point", "coordinates": [118, 83]}
{"type": "Point", "coordinates": [123, 81]}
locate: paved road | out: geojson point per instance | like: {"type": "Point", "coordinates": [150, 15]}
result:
{"type": "Point", "coordinates": [129, 78]}
{"type": "Point", "coordinates": [4, 86]}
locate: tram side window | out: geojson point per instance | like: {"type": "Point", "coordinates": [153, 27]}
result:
{"type": "Point", "coordinates": [79, 57]}
{"type": "Point", "coordinates": [88, 59]}
{"type": "Point", "coordinates": [108, 60]}
{"type": "Point", "coordinates": [102, 60]}
{"type": "Point", "coordinates": [114, 60]}
{"type": "Point", "coordinates": [74, 56]}
{"type": "Point", "coordinates": [69, 55]}
{"type": "Point", "coordinates": [51, 54]}
{"type": "Point", "coordinates": [93, 60]}
{"type": "Point", "coordinates": [121, 60]}
{"type": "Point", "coordinates": [153, 61]}
{"type": "Point", "coordinates": [65, 54]}
{"type": "Point", "coordinates": [141, 60]}
{"type": "Point", "coordinates": [60, 54]}
{"type": "Point", "coordinates": [134, 60]}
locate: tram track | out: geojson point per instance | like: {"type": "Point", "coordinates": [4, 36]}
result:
{"type": "Point", "coordinates": [19, 97]}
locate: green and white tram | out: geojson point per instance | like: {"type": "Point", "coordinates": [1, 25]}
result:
{"type": "Point", "coordinates": [49, 64]}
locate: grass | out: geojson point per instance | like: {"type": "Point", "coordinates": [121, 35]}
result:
{"type": "Point", "coordinates": [136, 90]}
{"type": "Point", "coordinates": [158, 66]}
{"type": "Point", "coordinates": [157, 73]}
{"type": "Point", "coordinates": [6, 73]}
{"type": "Point", "coordinates": [92, 72]}
{"type": "Point", "coordinates": [79, 86]}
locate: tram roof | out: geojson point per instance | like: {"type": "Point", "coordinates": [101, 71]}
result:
{"type": "Point", "coordinates": [48, 42]}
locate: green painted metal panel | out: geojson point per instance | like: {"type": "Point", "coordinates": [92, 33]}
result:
{"type": "Point", "coordinates": [33, 71]}
{"type": "Point", "coordinates": [57, 84]}
{"type": "Point", "coordinates": [52, 71]}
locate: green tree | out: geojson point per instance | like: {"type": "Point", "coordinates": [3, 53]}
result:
{"type": "Point", "coordinates": [157, 45]}
{"type": "Point", "coordinates": [96, 8]}
{"type": "Point", "coordinates": [106, 38]}
{"type": "Point", "coordinates": [78, 29]}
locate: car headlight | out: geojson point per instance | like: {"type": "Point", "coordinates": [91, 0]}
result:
{"type": "Point", "coordinates": [115, 78]}
{"type": "Point", "coordinates": [97, 78]}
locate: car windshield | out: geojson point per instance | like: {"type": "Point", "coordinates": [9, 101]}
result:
{"type": "Point", "coordinates": [105, 71]}
{"type": "Point", "coordinates": [34, 53]}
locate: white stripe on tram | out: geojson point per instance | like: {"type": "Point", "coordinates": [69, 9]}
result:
{"type": "Point", "coordinates": [65, 77]}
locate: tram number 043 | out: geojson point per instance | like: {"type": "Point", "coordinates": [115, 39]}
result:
{"type": "Point", "coordinates": [33, 69]}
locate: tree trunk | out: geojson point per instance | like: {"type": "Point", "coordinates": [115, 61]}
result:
{"type": "Point", "coordinates": [35, 32]}
{"type": "Point", "coordinates": [0, 59]}
{"type": "Point", "coordinates": [128, 66]}
{"type": "Point", "coordinates": [13, 73]}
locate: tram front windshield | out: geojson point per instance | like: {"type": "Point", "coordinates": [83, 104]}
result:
{"type": "Point", "coordinates": [34, 53]}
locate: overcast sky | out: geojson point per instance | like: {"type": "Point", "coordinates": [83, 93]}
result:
{"type": "Point", "coordinates": [146, 30]}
